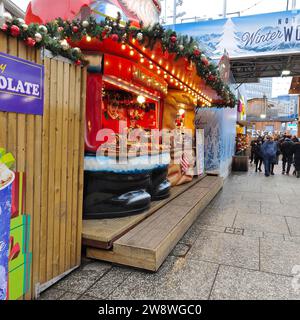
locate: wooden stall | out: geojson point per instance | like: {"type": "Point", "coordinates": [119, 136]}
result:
{"type": "Point", "coordinates": [50, 149]}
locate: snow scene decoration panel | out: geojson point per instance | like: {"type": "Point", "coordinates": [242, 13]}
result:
{"type": "Point", "coordinates": [264, 34]}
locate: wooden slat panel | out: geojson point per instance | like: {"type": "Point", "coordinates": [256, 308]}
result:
{"type": "Point", "coordinates": [70, 186]}
{"type": "Point", "coordinates": [51, 180]}
{"type": "Point", "coordinates": [36, 222]}
{"type": "Point", "coordinates": [76, 147]}
{"type": "Point", "coordinates": [64, 168]}
{"type": "Point", "coordinates": [44, 179]}
{"type": "Point", "coordinates": [49, 149]}
{"type": "Point", "coordinates": [81, 165]}
{"type": "Point", "coordinates": [58, 165]}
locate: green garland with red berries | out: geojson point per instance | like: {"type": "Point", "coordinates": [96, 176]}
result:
{"type": "Point", "coordinates": [53, 35]}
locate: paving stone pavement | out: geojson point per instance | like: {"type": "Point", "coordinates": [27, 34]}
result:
{"type": "Point", "coordinates": [245, 245]}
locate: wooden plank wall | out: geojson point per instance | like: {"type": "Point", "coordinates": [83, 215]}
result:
{"type": "Point", "coordinates": [50, 150]}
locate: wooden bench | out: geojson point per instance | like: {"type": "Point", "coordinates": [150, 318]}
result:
{"type": "Point", "coordinates": [147, 245]}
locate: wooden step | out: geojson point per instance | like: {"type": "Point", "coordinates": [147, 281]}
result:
{"type": "Point", "coordinates": [102, 233]}
{"type": "Point", "coordinates": [148, 244]}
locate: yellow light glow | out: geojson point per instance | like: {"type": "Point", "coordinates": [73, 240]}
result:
{"type": "Point", "coordinates": [151, 66]}
{"type": "Point", "coordinates": [131, 52]}
{"type": "Point", "coordinates": [181, 112]}
{"type": "Point", "coordinates": [88, 38]}
{"type": "Point", "coordinates": [141, 99]}
{"type": "Point", "coordinates": [123, 47]}
{"type": "Point", "coordinates": [142, 60]}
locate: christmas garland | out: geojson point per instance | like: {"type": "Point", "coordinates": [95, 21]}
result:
{"type": "Point", "coordinates": [53, 36]}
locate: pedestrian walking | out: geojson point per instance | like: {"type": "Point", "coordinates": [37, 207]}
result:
{"type": "Point", "coordinates": [287, 155]}
{"type": "Point", "coordinates": [258, 160]}
{"type": "Point", "coordinates": [269, 151]}
{"type": "Point", "coordinates": [296, 152]}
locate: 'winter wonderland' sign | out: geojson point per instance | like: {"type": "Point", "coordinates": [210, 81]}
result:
{"type": "Point", "coordinates": [263, 34]}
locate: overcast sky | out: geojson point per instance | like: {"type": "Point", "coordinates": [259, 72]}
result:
{"type": "Point", "coordinates": [212, 8]}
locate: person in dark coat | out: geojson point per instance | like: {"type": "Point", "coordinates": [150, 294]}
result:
{"type": "Point", "coordinates": [287, 155]}
{"type": "Point", "coordinates": [296, 150]}
{"type": "Point", "coordinates": [269, 151]}
{"type": "Point", "coordinates": [252, 155]}
{"type": "Point", "coordinates": [258, 160]}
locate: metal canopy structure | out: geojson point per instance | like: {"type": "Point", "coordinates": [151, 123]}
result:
{"type": "Point", "coordinates": [250, 69]}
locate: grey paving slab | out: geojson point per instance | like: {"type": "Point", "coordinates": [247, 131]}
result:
{"type": "Point", "coordinates": [294, 226]}
{"type": "Point", "coordinates": [109, 282]}
{"type": "Point", "coordinates": [226, 248]}
{"type": "Point", "coordinates": [180, 250]}
{"type": "Point", "coordinates": [70, 296]}
{"type": "Point", "coordinates": [253, 233]}
{"type": "Point", "coordinates": [78, 283]}
{"type": "Point", "coordinates": [293, 239]}
{"type": "Point", "coordinates": [280, 210]}
{"type": "Point", "coordinates": [241, 284]}
{"type": "Point", "coordinates": [259, 196]}
{"type": "Point", "coordinates": [278, 256]}
{"type": "Point", "coordinates": [217, 217]}
{"type": "Point", "coordinates": [275, 236]}
{"type": "Point", "coordinates": [51, 294]}
{"type": "Point", "coordinates": [259, 222]}
{"type": "Point", "coordinates": [177, 279]}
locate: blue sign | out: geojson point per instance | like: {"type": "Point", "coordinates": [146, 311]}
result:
{"type": "Point", "coordinates": [21, 85]}
{"type": "Point", "coordinates": [264, 34]}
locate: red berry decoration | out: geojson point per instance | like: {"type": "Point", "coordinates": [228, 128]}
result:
{"type": "Point", "coordinates": [30, 42]}
{"type": "Point", "coordinates": [15, 31]}
{"type": "Point", "coordinates": [211, 77]}
{"type": "Point", "coordinates": [60, 29]}
{"type": "Point", "coordinates": [197, 52]}
{"type": "Point", "coordinates": [4, 27]}
{"type": "Point", "coordinates": [115, 37]}
{"type": "Point", "coordinates": [75, 29]}
{"type": "Point", "coordinates": [78, 62]}
{"type": "Point", "coordinates": [173, 39]}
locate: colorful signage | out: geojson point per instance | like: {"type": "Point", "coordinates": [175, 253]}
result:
{"type": "Point", "coordinates": [21, 85]}
{"type": "Point", "coordinates": [263, 34]}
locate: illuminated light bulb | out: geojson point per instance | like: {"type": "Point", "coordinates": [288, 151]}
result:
{"type": "Point", "coordinates": [173, 71]}
{"type": "Point", "coordinates": [160, 61]}
{"type": "Point", "coordinates": [151, 66]}
{"type": "Point", "coordinates": [144, 49]}
{"type": "Point", "coordinates": [88, 38]}
{"type": "Point", "coordinates": [133, 40]}
{"type": "Point", "coordinates": [167, 67]}
{"type": "Point", "coordinates": [141, 99]}
{"type": "Point", "coordinates": [106, 63]}
{"type": "Point", "coordinates": [131, 52]}
{"type": "Point", "coordinates": [123, 47]}
{"type": "Point", "coordinates": [153, 56]}
{"type": "Point", "coordinates": [166, 76]}
{"type": "Point", "coordinates": [171, 80]}
{"type": "Point", "coordinates": [142, 60]}
{"type": "Point", "coordinates": [158, 71]}
{"type": "Point", "coordinates": [177, 84]}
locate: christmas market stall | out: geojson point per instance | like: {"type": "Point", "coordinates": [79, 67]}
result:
{"type": "Point", "coordinates": [142, 87]}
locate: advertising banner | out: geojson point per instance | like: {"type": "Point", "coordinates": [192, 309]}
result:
{"type": "Point", "coordinates": [257, 35]}
{"type": "Point", "coordinates": [5, 214]}
{"type": "Point", "coordinates": [21, 85]}
{"type": "Point", "coordinates": [200, 151]}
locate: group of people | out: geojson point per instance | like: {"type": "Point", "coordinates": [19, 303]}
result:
{"type": "Point", "coordinates": [267, 150]}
